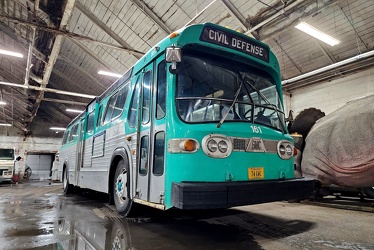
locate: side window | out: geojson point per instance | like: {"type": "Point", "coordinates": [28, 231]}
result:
{"type": "Point", "coordinates": [65, 138]}
{"type": "Point", "coordinates": [90, 122]}
{"type": "Point", "coordinates": [146, 97]}
{"type": "Point", "coordinates": [161, 90]}
{"type": "Point", "coordinates": [143, 165]}
{"type": "Point", "coordinates": [100, 112]}
{"type": "Point", "coordinates": [133, 106]}
{"type": "Point", "coordinates": [121, 99]}
{"type": "Point", "coordinates": [110, 108]}
{"type": "Point", "coordinates": [73, 133]}
{"type": "Point", "coordinates": [158, 160]}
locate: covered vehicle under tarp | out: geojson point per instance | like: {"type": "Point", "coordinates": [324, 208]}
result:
{"type": "Point", "coordinates": [339, 149]}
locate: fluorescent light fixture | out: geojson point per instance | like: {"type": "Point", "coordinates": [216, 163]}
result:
{"type": "Point", "coordinates": [57, 128]}
{"type": "Point", "coordinates": [74, 110]}
{"type": "Point", "coordinates": [106, 73]}
{"type": "Point", "coordinates": [2, 103]}
{"type": "Point", "coordinates": [10, 53]}
{"type": "Point", "coordinates": [5, 124]}
{"type": "Point", "coordinates": [310, 30]}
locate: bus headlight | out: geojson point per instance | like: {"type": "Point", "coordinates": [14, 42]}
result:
{"type": "Point", "coordinates": [222, 146]}
{"type": "Point", "coordinates": [217, 146]}
{"type": "Point", "coordinates": [285, 149]}
{"type": "Point", "coordinates": [212, 145]}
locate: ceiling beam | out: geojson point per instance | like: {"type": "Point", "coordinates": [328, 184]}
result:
{"type": "Point", "coordinates": [68, 34]}
{"type": "Point", "coordinates": [289, 58]}
{"type": "Point", "coordinates": [199, 14]}
{"type": "Point", "coordinates": [69, 5]}
{"type": "Point", "coordinates": [21, 41]}
{"type": "Point", "coordinates": [106, 29]}
{"type": "Point", "coordinates": [68, 80]}
{"type": "Point", "coordinates": [236, 13]}
{"type": "Point", "coordinates": [93, 55]}
{"type": "Point", "coordinates": [80, 69]}
{"type": "Point", "coordinates": [353, 27]}
{"type": "Point", "coordinates": [271, 18]}
{"type": "Point", "coordinates": [152, 15]}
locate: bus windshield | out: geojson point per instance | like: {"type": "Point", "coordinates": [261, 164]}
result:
{"type": "Point", "coordinates": [6, 154]}
{"type": "Point", "coordinates": [212, 92]}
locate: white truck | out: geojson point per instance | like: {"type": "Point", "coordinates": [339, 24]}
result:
{"type": "Point", "coordinates": [7, 164]}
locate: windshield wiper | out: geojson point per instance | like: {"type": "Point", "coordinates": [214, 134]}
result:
{"type": "Point", "coordinates": [232, 104]}
{"type": "Point", "coordinates": [268, 103]}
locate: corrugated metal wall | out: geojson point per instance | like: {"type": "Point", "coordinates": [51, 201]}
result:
{"type": "Point", "coordinates": [40, 165]}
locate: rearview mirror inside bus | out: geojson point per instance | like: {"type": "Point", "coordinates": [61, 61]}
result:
{"type": "Point", "coordinates": [173, 55]}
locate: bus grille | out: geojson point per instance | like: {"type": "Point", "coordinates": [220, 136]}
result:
{"type": "Point", "coordinates": [241, 144]}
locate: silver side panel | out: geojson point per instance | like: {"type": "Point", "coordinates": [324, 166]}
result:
{"type": "Point", "coordinates": [87, 159]}
{"type": "Point", "coordinates": [96, 177]}
{"type": "Point", "coordinates": [68, 157]}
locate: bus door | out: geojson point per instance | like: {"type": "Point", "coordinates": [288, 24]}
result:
{"type": "Point", "coordinates": [79, 150]}
{"type": "Point", "coordinates": [144, 130]}
{"type": "Point", "coordinates": [150, 175]}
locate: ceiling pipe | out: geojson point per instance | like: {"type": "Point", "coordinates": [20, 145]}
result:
{"type": "Point", "coordinates": [332, 66]}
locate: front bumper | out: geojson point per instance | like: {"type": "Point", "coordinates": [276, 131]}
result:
{"type": "Point", "coordinates": [210, 195]}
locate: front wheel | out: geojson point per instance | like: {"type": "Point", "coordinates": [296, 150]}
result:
{"type": "Point", "coordinates": [121, 188]}
{"type": "Point", "coordinates": [68, 188]}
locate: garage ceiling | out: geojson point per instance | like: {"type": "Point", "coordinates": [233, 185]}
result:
{"type": "Point", "coordinates": [66, 42]}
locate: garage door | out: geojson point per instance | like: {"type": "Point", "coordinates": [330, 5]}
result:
{"type": "Point", "coordinates": [40, 165]}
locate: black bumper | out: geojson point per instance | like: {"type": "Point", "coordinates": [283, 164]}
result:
{"type": "Point", "coordinates": [209, 195]}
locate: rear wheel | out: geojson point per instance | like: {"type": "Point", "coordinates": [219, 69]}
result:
{"type": "Point", "coordinates": [121, 188]}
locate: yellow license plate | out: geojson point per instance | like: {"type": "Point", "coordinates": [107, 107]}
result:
{"type": "Point", "coordinates": [255, 173]}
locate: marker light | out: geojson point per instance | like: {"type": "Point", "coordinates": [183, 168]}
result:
{"type": "Point", "coordinates": [189, 145]}
{"type": "Point", "coordinates": [174, 34]}
{"type": "Point", "coordinates": [294, 151]}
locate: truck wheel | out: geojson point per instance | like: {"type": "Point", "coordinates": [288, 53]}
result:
{"type": "Point", "coordinates": [121, 188]}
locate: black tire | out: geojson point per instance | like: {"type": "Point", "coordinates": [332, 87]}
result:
{"type": "Point", "coordinates": [68, 188]}
{"type": "Point", "coordinates": [121, 189]}
{"type": "Point", "coordinates": [120, 236]}
{"type": "Point", "coordinates": [369, 191]}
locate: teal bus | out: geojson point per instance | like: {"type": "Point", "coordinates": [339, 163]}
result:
{"type": "Point", "coordinates": [196, 123]}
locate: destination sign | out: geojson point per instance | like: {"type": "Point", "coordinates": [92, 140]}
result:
{"type": "Point", "coordinates": [223, 38]}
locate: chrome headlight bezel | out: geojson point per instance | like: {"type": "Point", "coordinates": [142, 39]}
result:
{"type": "Point", "coordinates": [222, 142]}
{"type": "Point", "coordinates": [285, 149]}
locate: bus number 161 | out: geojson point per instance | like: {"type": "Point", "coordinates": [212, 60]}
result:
{"type": "Point", "coordinates": [256, 129]}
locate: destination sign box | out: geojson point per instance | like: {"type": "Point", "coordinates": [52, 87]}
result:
{"type": "Point", "coordinates": [223, 38]}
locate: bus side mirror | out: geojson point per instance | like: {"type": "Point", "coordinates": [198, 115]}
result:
{"type": "Point", "coordinates": [173, 55]}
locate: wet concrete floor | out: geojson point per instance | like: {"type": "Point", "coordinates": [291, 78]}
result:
{"type": "Point", "coordinates": [36, 215]}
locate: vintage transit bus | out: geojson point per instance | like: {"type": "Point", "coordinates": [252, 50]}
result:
{"type": "Point", "coordinates": [196, 123]}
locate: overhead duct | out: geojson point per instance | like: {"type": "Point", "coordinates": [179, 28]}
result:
{"type": "Point", "coordinates": [329, 67]}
